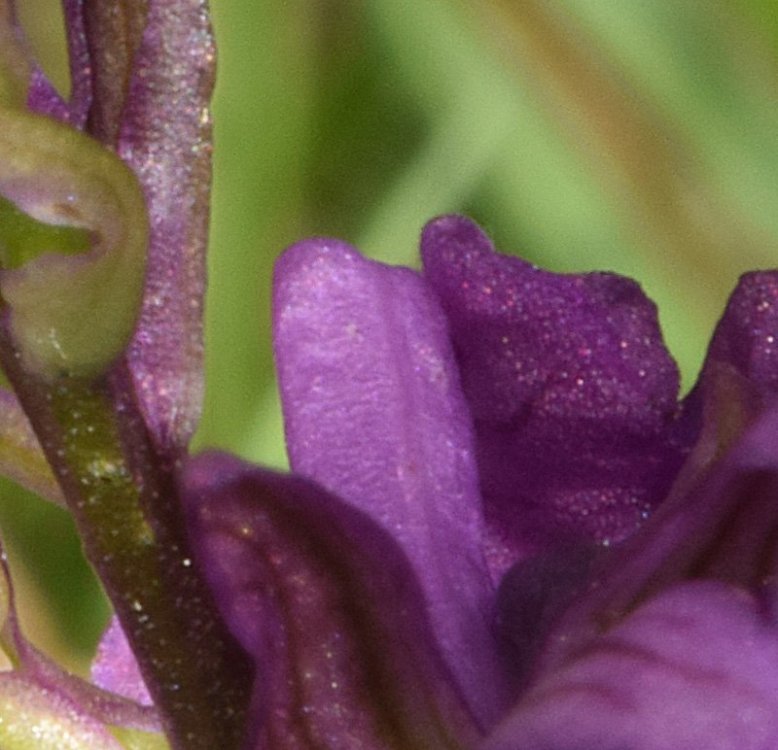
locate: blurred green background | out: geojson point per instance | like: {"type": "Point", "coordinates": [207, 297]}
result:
{"type": "Point", "coordinates": [631, 135]}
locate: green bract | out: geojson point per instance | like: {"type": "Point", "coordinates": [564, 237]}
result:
{"type": "Point", "coordinates": [69, 314]}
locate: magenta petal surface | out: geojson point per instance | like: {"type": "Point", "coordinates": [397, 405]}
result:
{"type": "Point", "coordinates": [674, 643]}
{"type": "Point", "coordinates": [115, 669]}
{"type": "Point", "coordinates": [165, 138]}
{"type": "Point", "coordinates": [572, 392]}
{"type": "Point", "coordinates": [327, 604]}
{"type": "Point", "coordinates": [373, 412]}
{"type": "Point", "coordinates": [723, 528]}
{"type": "Point", "coordinates": [696, 667]}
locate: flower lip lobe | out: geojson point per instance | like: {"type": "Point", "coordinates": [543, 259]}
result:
{"type": "Point", "coordinates": [571, 388]}
{"type": "Point", "coordinates": [696, 667]}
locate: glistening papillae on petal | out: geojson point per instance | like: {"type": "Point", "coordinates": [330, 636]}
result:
{"type": "Point", "coordinates": [373, 412]}
{"type": "Point", "coordinates": [723, 527]}
{"type": "Point", "coordinates": [746, 338]}
{"type": "Point", "coordinates": [571, 389]}
{"type": "Point", "coordinates": [329, 607]}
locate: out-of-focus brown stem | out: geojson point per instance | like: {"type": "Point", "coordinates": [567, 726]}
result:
{"type": "Point", "coordinates": [119, 27]}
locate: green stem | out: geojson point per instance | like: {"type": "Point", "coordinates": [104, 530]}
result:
{"type": "Point", "coordinates": [123, 497]}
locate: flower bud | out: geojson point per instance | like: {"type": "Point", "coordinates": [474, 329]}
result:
{"type": "Point", "coordinates": [73, 235]}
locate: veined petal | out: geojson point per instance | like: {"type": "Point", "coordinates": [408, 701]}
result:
{"type": "Point", "coordinates": [373, 412]}
{"type": "Point", "coordinates": [571, 389]}
{"type": "Point", "coordinates": [696, 667]}
{"type": "Point", "coordinates": [165, 137]}
{"type": "Point", "coordinates": [330, 609]}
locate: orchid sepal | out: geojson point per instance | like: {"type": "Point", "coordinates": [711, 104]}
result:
{"type": "Point", "coordinates": [374, 412]}
{"type": "Point", "coordinates": [328, 606]}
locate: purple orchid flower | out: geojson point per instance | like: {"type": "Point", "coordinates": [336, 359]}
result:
{"type": "Point", "coordinates": [504, 532]}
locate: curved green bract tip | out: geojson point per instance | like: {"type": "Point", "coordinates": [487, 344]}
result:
{"type": "Point", "coordinates": [23, 239]}
{"type": "Point", "coordinates": [73, 235]}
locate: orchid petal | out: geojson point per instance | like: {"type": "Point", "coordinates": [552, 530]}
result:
{"type": "Point", "coordinates": [723, 528]}
{"type": "Point", "coordinates": [115, 668]}
{"type": "Point", "coordinates": [571, 389]}
{"type": "Point", "coordinates": [328, 606]}
{"type": "Point", "coordinates": [374, 413]}
{"type": "Point", "coordinates": [746, 338]}
{"type": "Point", "coordinates": [21, 456]}
{"type": "Point", "coordinates": [673, 641]}
{"type": "Point", "coordinates": [695, 667]}
{"type": "Point", "coordinates": [165, 137]}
